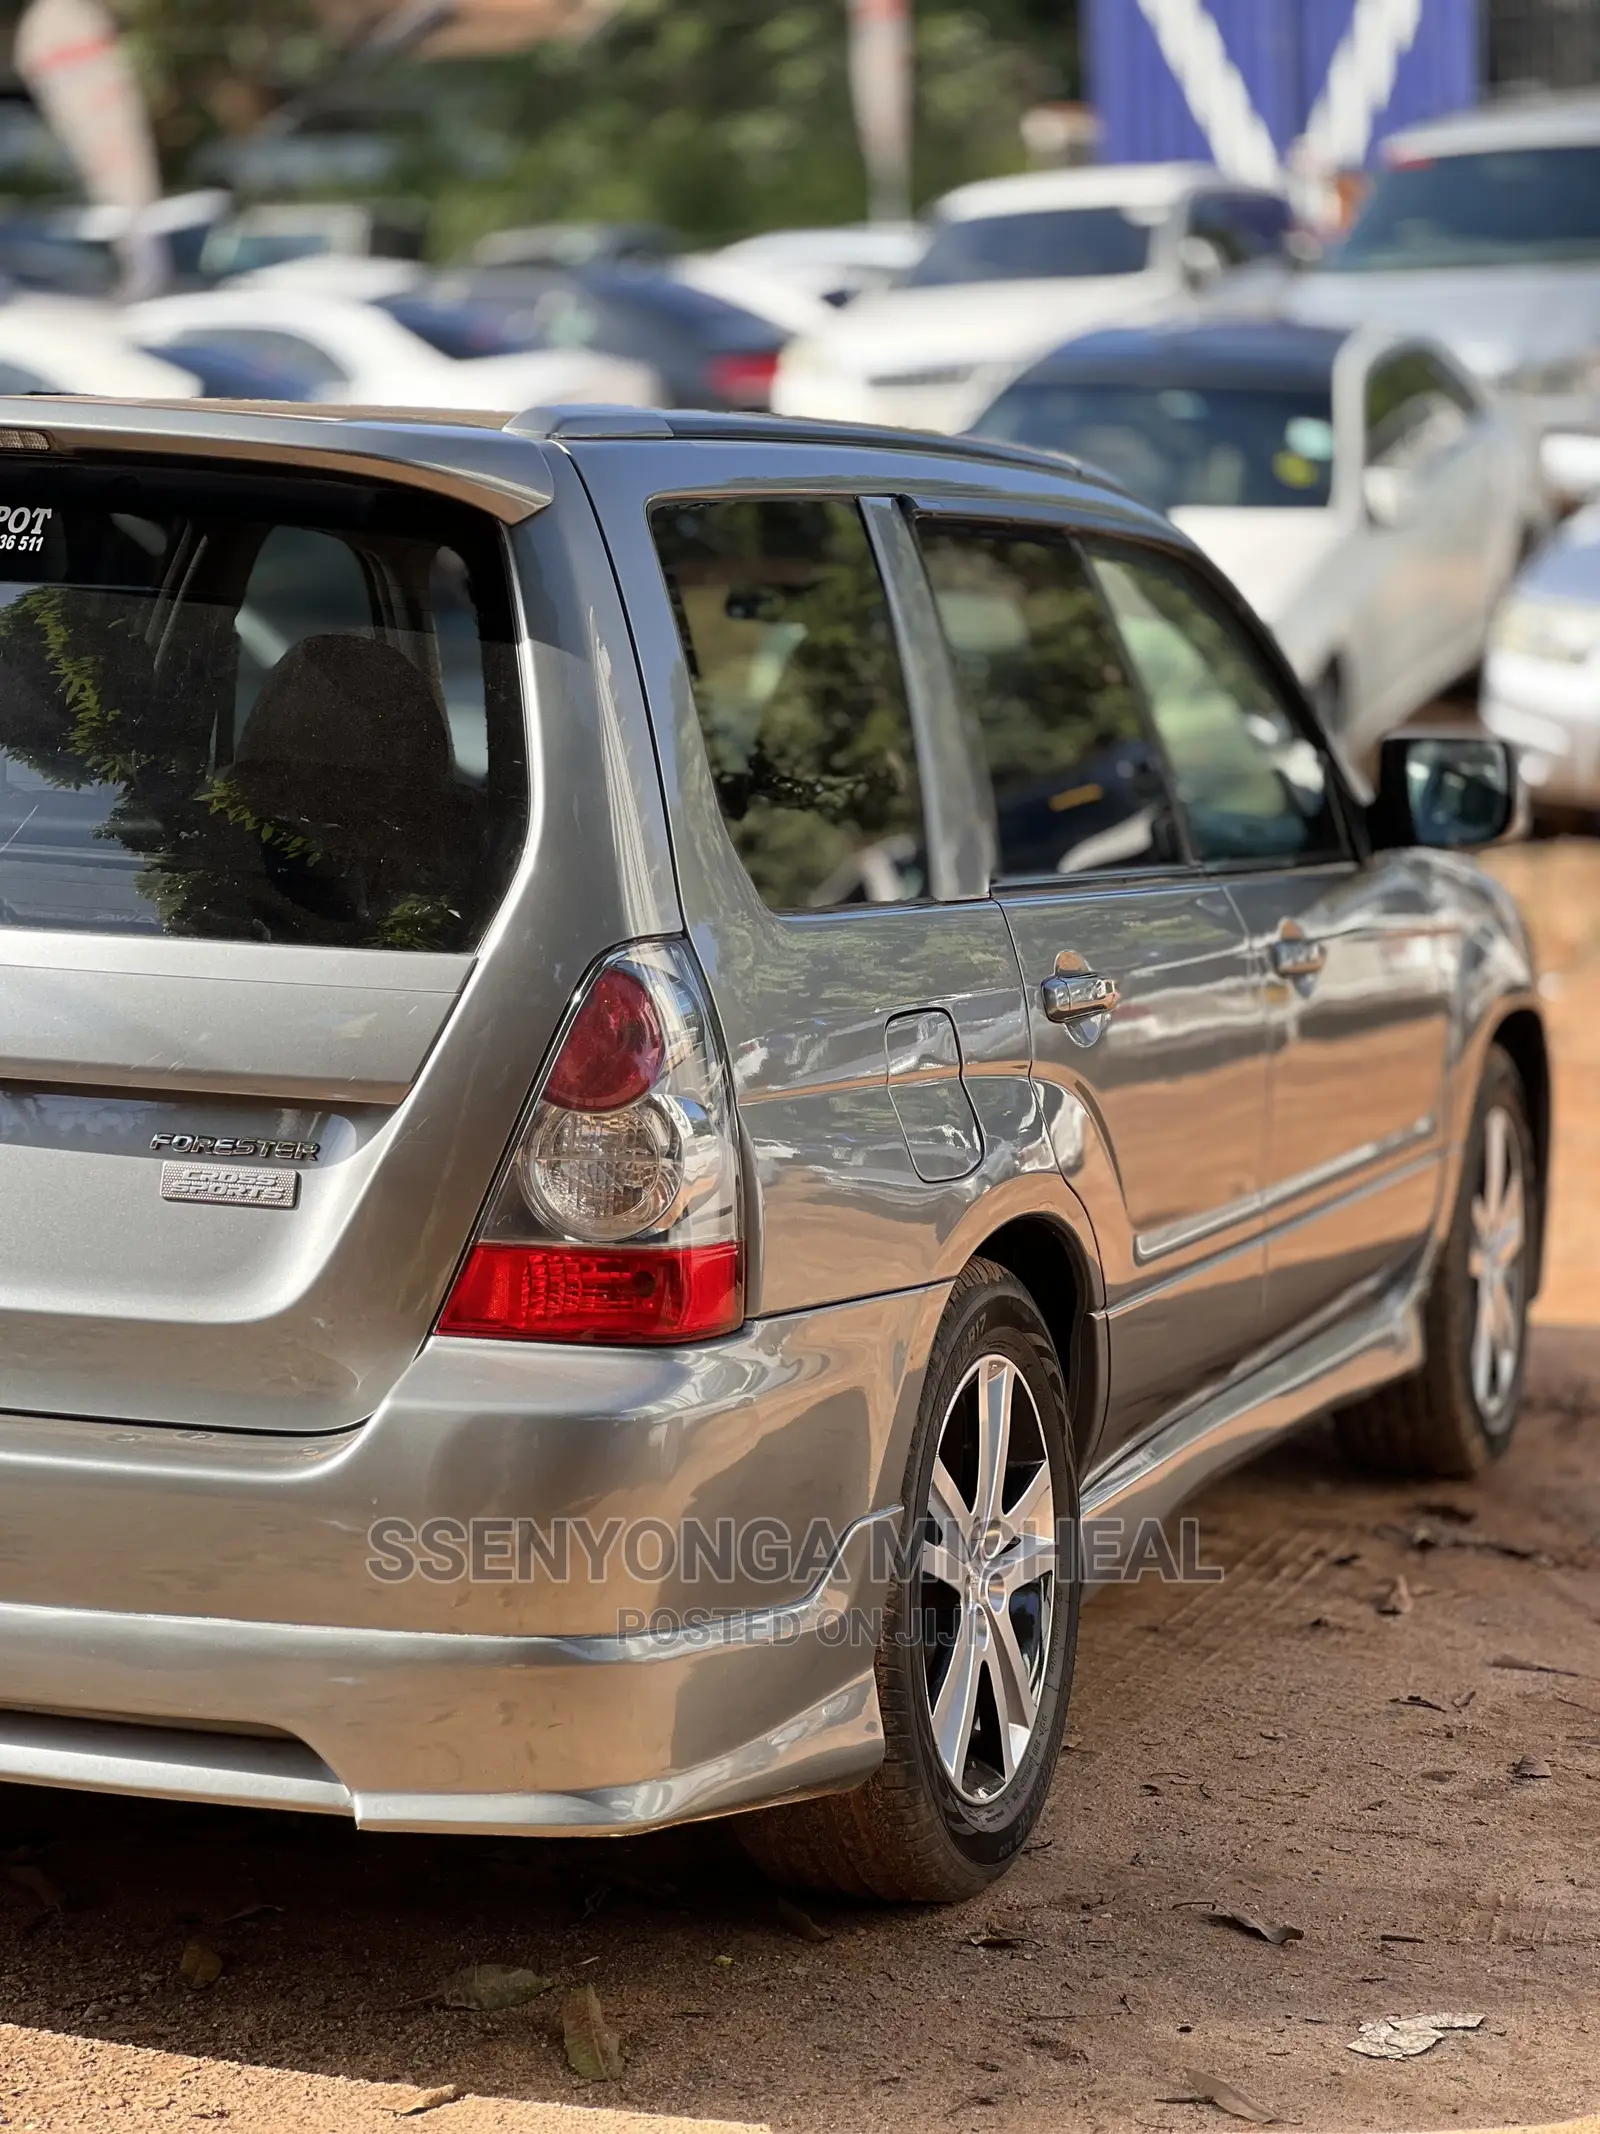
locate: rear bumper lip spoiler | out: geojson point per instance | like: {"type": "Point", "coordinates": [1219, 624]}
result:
{"type": "Point", "coordinates": [405, 1722]}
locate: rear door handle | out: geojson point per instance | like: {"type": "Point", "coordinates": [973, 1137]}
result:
{"type": "Point", "coordinates": [1296, 955]}
{"type": "Point", "coordinates": [1082, 1000]}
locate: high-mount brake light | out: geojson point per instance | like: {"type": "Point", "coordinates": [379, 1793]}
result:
{"type": "Point", "coordinates": [616, 1218]}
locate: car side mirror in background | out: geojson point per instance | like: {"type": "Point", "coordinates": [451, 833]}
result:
{"type": "Point", "coordinates": [1455, 792]}
{"type": "Point", "coordinates": [1199, 261]}
{"type": "Point", "coordinates": [1570, 463]}
{"type": "Point", "coordinates": [1388, 493]}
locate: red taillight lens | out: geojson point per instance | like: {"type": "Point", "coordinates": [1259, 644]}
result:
{"type": "Point", "coordinates": [744, 381]}
{"type": "Point", "coordinates": [569, 1293]}
{"type": "Point", "coordinates": [614, 1050]}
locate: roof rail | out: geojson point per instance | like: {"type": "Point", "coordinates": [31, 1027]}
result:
{"type": "Point", "coordinates": [600, 419]}
{"type": "Point", "coordinates": [560, 424]}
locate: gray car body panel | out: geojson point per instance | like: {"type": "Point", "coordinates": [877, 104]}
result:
{"type": "Point", "coordinates": [209, 1590]}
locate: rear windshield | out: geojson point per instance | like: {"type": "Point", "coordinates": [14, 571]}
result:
{"type": "Point", "coordinates": [1533, 204]}
{"type": "Point", "coordinates": [247, 710]}
{"type": "Point", "coordinates": [1046, 245]}
{"type": "Point", "coordinates": [1234, 446]}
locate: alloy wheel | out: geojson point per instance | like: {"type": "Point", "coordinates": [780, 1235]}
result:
{"type": "Point", "coordinates": [1495, 1263]}
{"type": "Point", "coordinates": [988, 1573]}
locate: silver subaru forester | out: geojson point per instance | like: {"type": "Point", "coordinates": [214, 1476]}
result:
{"type": "Point", "coordinates": [664, 1077]}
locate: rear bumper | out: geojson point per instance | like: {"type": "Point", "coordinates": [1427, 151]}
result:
{"type": "Point", "coordinates": [205, 1616]}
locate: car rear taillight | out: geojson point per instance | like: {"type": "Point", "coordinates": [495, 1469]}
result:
{"type": "Point", "coordinates": [616, 1217]}
{"type": "Point", "coordinates": [744, 381]}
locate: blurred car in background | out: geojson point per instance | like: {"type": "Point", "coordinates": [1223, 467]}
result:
{"type": "Point", "coordinates": [829, 265]}
{"type": "Point", "coordinates": [1483, 230]}
{"type": "Point", "coordinates": [705, 351]}
{"type": "Point", "coordinates": [1012, 266]}
{"type": "Point", "coordinates": [51, 344]}
{"type": "Point", "coordinates": [1541, 681]}
{"type": "Point", "coordinates": [75, 250]}
{"type": "Point", "coordinates": [266, 236]}
{"type": "Point", "coordinates": [346, 351]}
{"type": "Point", "coordinates": [1365, 496]}
{"type": "Point", "coordinates": [227, 374]}
{"type": "Point", "coordinates": [577, 244]}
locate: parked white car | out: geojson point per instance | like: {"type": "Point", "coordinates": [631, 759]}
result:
{"type": "Point", "coordinates": [831, 265]}
{"type": "Point", "coordinates": [1365, 496]}
{"type": "Point", "coordinates": [51, 344]}
{"type": "Point", "coordinates": [354, 352]}
{"type": "Point", "coordinates": [1541, 681]}
{"type": "Point", "coordinates": [1013, 266]}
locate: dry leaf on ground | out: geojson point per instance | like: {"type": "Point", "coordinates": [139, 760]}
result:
{"type": "Point", "coordinates": [1403, 2037]}
{"type": "Point", "coordinates": [800, 1922]}
{"type": "Point", "coordinates": [200, 1964]}
{"type": "Point", "coordinates": [428, 2101]}
{"type": "Point", "coordinates": [491, 1988]}
{"type": "Point", "coordinates": [593, 2053]}
{"type": "Point", "coordinates": [1275, 1931]}
{"type": "Point", "coordinates": [1211, 2089]}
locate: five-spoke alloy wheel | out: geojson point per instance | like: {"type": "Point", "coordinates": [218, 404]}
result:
{"type": "Point", "coordinates": [988, 1577]}
{"type": "Point", "coordinates": [974, 1663]}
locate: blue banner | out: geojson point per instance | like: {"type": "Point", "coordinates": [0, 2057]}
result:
{"type": "Point", "coordinates": [1239, 82]}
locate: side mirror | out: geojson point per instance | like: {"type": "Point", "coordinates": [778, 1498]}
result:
{"type": "Point", "coordinates": [1454, 792]}
{"type": "Point", "coordinates": [1389, 494]}
{"type": "Point", "coordinates": [1570, 464]}
{"type": "Point", "coordinates": [1199, 261]}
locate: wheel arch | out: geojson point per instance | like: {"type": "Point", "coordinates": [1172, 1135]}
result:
{"type": "Point", "coordinates": [1520, 1035]}
{"type": "Point", "coordinates": [1047, 1260]}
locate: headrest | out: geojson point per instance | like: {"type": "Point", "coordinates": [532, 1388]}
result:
{"type": "Point", "coordinates": [348, 704]}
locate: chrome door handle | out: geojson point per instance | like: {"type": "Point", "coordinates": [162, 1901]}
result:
{"type": "Point", "coordinates": [1295, 956]}
{"type": "Point", "coordinates": [1071, 996]}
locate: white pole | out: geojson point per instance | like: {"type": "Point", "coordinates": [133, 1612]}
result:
{"type": "Point", "coordinates": [880, 90]}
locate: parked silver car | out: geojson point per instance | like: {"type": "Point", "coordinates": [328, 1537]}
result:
{"type": "Point", "coordinates": [641, 1053]}
{"type": "Point", "coordinates": [1483, 232]}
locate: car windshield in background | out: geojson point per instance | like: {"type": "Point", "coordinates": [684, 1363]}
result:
{"type": "Point", "coordinates": [1062, 242]}
{"type": "Point", "coordinates": [1172, 445]}
{"type": "Point", "coordinates": [462, 331]}
{"type": "Point", "coordinates": [1462, 211]}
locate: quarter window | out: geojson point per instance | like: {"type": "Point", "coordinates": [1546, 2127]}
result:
{"type": "Point", "coordinates": [1078, 781]}
{"type": "Point", "coordinates": [801, 703]}
{"type": "Point", "coordinates": [1250, 782]}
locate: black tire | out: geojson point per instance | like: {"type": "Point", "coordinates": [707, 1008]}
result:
{"type": "Point", "coordinates": [910, 1834]}
{"type": "Point", "coordinates": [1437, 1422]}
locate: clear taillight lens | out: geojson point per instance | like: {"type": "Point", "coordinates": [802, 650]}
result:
{"type": "Point", "coordinates": [617, 1216]}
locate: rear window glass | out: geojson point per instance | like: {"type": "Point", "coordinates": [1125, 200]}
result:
{"type": "Point", "coordinates": [254, 711]}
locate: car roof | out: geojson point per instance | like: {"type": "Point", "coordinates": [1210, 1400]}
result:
{"type": "Point", "coordinates": [1135, 185]}
{"type": "Point", "coordinates": [1248, 352]}
{"type": "Point", "coordinates": [1571, 121]}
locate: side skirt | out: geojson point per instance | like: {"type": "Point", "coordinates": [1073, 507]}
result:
{"type": "Point", "coordinates": [1369, 1347]}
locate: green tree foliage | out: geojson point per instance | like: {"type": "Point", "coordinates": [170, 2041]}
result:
{"type": "Point", "coordinates": [215, 67]}
{"type": "Point", "coordinates": [719, 117]}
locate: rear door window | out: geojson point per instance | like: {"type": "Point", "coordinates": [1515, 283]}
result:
{"type": "Point", "coordinates": [1251, 782]}
{"type": "Point", "coordinates": [255, 711]}
{"type": "Point", "coordinates": [801, 701]}
{"type": "Point", "coordinates": [1078, 780]}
